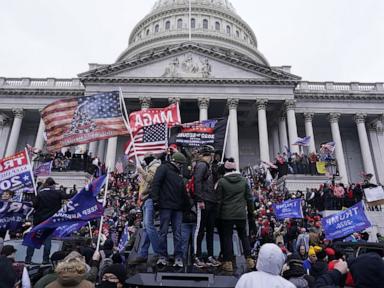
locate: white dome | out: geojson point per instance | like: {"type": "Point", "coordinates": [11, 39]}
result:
{"type": "Point", "coordinates": [214, 24]}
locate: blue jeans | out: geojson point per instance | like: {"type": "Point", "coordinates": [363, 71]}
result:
{"type": "Point", "coordinates": [47, 250]}
{"type": "Point", "coordinates": [187, 232]}
{"type": "Point", "coordinates": [175, 217]}
{"type": "Point", "coordinates": [150, 234]}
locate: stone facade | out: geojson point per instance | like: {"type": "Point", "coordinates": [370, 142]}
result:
{"type": "Point", "coordinates": [217, 73]}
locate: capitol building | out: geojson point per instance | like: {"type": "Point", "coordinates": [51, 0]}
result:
{"type": "Point", "coordinates": [207, 59]}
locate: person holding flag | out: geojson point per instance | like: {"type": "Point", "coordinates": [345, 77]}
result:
{"type": "Point", "coordinates": [47, 203]}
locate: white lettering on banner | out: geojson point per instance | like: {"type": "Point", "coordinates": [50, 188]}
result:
{"type": "Point", "coordinates": [342, 216]}
{"type": "Point", "coordinates": [11, 163]}
{"type": "Point", "coordinates": [147, 119]}
{"type": "Point", "coordinates": [18, 170]}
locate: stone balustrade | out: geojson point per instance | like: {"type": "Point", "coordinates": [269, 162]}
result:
{"type": "Point", "coordinates": [305, 86]}
{"type": "Point", "coordinates": [46, 83]}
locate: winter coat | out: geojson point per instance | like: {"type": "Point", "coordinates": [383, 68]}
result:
{"type": "Point", "coordinates": [233, 195]}
{"type": "Point", "coordinates": [318, 268]}
{"type": "Point", "coordinates": [367, 270]}
{"type": "Point", "coordinates": [148, 175]}
{"type": "Point", "coordinates": [47, 203]}
{"type": "Point", "coordinates": [71, 281]}
{"type": "Point", "coordinates": [168, 189]}
{"type": "Point", "coordinates": [331, 279]}
{"type": "Point", "coordinates": [269, 265]}
{"type": "Point", "coordinates": [204, 190]}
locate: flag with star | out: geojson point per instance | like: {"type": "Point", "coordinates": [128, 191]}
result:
{"type": "Point", "coordinates": [148, 139]}
{"type": "Point", "coordinates": [16, 175]}
{"type": "Point", "coordinates": [81, 120]}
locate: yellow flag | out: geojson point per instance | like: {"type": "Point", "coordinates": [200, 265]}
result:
{"type": "Point", "coordinates": [320, 166]}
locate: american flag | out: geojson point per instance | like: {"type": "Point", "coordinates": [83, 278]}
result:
{"type": "Point", "coordinates": [303, 141]}
{"type": "Point", "coordinates": [82, 120]}
{"type": "Point", "coordinates": [119, 167]}
{"type": "Point", "coordinates": [149, 139]}
{"type": "Point", "coordinates": [328, 148]}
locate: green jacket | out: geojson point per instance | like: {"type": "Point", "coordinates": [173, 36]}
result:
{"type": "Point", "coordinates": [234, 197]}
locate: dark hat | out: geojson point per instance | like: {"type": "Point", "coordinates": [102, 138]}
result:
{"type": "Point", "coordinates": [178, 158]}
{"type": "Point", "coordinates": [58, 256]}
{"type": "Point", "coordinates": [206, 149]}
{"type": "Point", "coordinates": [7, 250]}
{"type": "Point", "coordinates": [321, 254]}
{"type": "Point", "coordinates": [50, 182]}
{"type": "Point", "coordinates": [118, 270]}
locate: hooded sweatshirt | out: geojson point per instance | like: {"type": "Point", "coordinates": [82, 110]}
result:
{"type": "Point", "coordinates": [233, 196]}
{"type": "Point", "coordinates": [269, 265]}
{"type": "Point", "coordinates": [368, 271]}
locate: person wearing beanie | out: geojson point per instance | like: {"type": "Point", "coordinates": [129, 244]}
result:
{"type": "Point", "coordinates": [114, 276]}
{"type": "Point", "coordinates": [269, 265]}
{"type": "Point", "coordinates": [307, 264]}
{"type": "Point", "coordinates": [233, 196]}
{"type": "Point", "coordinates": [169, 195]}
{"type": "Point", "coordinates": [320, 267]}
{"type": "Point", "coordinates": [296, 274]}
{"type": "Point", "coordinates": [206, 203]}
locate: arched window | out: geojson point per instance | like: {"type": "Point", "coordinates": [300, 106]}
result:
{"type": "Point", "coordinates": [193, 23]}
{"type": "Point", "coordinates": [147, 32]}
{"type": "Point", "coordinates": [237, 34]}
{"type": "Point", "coordinates": [167, 25]}
{"type": "Point", "coordinates": [179, 23]}
{"type": "Point", "coordinates": [205, 24]}
{"type": "Point", "coordinates": [228, 29]}
{"type": "Point", "coordinates": [157, 28]}
{"type": "Point", "coordinates": [217, 26]}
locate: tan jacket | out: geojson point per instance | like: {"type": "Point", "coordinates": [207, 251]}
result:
{"type": "Point", "coordinates": [147, 176]}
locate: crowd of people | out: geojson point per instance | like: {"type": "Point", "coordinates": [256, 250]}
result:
{"type": "Point", "coordinates": [196, 194]}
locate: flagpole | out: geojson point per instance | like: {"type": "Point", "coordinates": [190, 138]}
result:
{"type": "Point", "coordinates": [225, 140]}
{"type": "Point", "coordinates": [128, 125]}
{"type": "Point", "coordinates": [30, 169]}
{"type": "Point", "coordinates": [190, 20]}
{"type": "Point", "coordinates": [90, 229]}
{"type": "Point", "coordinates": [102, 217]}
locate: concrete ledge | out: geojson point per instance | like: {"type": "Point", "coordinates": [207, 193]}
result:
{"type": "Point", "coordinates": [69, 178]}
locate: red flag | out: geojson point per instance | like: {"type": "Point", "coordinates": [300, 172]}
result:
{"type": "Point", "coordinates": [82, 120]}
{"type": "Point", "coordinates": [146, 117]}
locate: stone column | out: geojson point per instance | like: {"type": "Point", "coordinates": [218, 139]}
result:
{"type": "Point", "coordinates": [339, 152]}
{"type": "Point", "coordinates": [111, 153]}
{"type": "Point", "coordinates": [275, 139]}
{"type": "Point", "coordinates": [101, 150]}
{"type": "Point", "coordinates": [263, 129]}
{"type": "Point", "coordinates": [309, 131]}
{"type": "Point", "coordinates": [377, 156]}
{"type": "Point", "coordinates": [292, 128]}
{"type": "Point", "coordinates": [145, 102]}
{"type": "Point", "coordinates": [4, 132]}
{"type": "Point", "coordinates": [380, 136]}
{"type": "Point", "coordinates": [232, 149]}
{"type": "Point", "coordinates": [364, 144]}
{"type": "Point", "coordinates": [92, 148]}
{"type": "Point", "coordinates": [15, 132]}
{"type": "Point", "coordinates": [283, 139]}
{"type": "Point", "coordinates": [39, 142]}
{"type": "Point", "coordinates": [203, 104]}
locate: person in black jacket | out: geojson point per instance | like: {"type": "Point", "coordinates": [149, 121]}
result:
{"type": "Point", "coordinates": [169, 195]}
{"type": "Point", "coordinates": [46, 204]}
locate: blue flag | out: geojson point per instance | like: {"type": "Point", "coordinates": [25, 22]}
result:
{"type": "Point", "coordinates": [13, 214]}
{"type": "Point", "coordinates": [44, 169]}
{"type": "Point", "coordinates": [303, 141]}
{"type": "Point", "coordinates": [346, 222]}
{"type": "Point", "coordinates": [124, 239]}
{"type": "Point", "coordinates": [83, 207]}
{"type": "Point", "coordinates": [288, 209]}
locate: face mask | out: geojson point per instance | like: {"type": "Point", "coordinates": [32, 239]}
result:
{"type": "Point", "coordinates": [107, 284]}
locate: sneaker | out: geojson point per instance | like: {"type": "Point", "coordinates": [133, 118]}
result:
{"type": "Point", "coordinates": [199, 263]}
{"type": "Point", "coordinates": [213, 262]}
{"type": "Point", "coordinates": [227, 266]}
{"type": "Point", "coordinates": [178, 263]}
{"type": "Point", "coordinates": [250, 263]}
{"type": "Point", "coordinates": [162, 262]}
{"type": "Point", "coordinates": [138, 260]}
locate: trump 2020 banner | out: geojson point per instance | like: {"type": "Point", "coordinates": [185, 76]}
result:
{"type": "Point", "coordinates": [345, 222]}
{"type": "Point", "coordinates": [146, 117]}
{"type": "Point", "coordinates": [16, 175]}
{"type": "Point", "coordinates": [288, 209]}
{"type": "Point", "coordinates": [13, 214]}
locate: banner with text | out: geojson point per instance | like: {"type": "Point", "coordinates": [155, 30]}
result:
{"type": "Point", "coordinates": [83, 207]}
{"type": "Point", "coordinates": [13, 214]}
{"type": "Point", "coordinates": [146, 117]}
{"type": "Point", "coordinates": [288, 209]}
{"type": "Point", "coordinates": [16, 175]}
{"type": "Point", "coordinates": [345, 222]}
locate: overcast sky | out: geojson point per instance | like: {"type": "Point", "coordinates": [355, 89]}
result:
{"type": "Point", "coordinates": [334, 40]}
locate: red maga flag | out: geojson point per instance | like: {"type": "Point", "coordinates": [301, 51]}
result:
{"type": "Point", "coordinates": [146, 117]}
{"type": "Point", "coordinates": [82, 120]}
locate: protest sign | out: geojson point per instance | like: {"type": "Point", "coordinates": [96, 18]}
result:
{"type": "Point", "coordinates": [43, 169]}
{"type": "Point", "coordinates": [345, 222]}
{"type": "Point", "coordinates": [374, 194]}
{"type": "Point", "coordinates": [288, 209]}
{"type": "Point", "coordinates": [83, 207]}
{"type": "Point", "coordinates": [16, 175]}
{"type": "Point", "coordinates": [13, 214]}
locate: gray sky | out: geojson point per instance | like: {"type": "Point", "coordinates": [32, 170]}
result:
{"type": "Point", "coordinates": [334, 40]}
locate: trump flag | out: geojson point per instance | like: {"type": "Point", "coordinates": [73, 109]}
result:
{"type": "Point", "coordinates": [82, 120]}
{"type": "Point", "coordinates": [288, 209]}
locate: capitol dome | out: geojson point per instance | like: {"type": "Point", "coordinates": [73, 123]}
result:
{"type": "Point", "coordinates": [214, 24]}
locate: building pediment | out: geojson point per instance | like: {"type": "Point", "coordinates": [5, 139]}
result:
{"type": "Point", "coordinates": [188, 62]}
